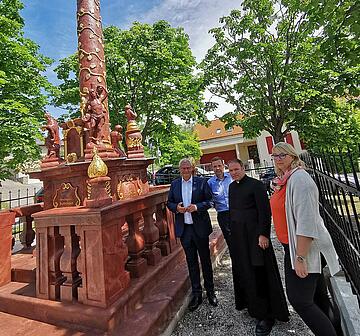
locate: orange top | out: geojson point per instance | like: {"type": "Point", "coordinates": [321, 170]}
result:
{"type": "Point", "coordinates": [277, 203]}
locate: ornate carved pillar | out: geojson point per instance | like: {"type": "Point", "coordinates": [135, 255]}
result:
{"type": "Point", "coordinates": [55, 250]}
{"type": "Point", "coordinates": [27, 236]}
{"type": "Point", "coordinates": [91, 55]}
{"type": "Point", "coordinates": [151, 235]}
{"type": "Point", "coordinates": [68, 260]}
{"type": "Point", "coordinates": [171, 228]}
{"type": "Point", "coordinates": [137, 265]}
{"type": "Point", "coordinates": [163, 230]}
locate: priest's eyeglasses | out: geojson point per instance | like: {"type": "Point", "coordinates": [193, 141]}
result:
{"type": "Point", "coordinates": [280, 156]}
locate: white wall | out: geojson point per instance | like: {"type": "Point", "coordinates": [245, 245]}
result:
{"type": "Point", "coordinates": [265, 157]}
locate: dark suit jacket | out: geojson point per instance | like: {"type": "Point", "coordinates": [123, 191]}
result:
{"type": "Point", "coordinates": [201, 197]}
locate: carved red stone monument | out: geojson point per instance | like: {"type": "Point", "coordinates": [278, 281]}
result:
{"type": "Point", "coordinates": [105, 243]}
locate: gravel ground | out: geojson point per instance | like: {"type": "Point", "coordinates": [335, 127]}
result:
{"type": "Point", "coordinates": [225, 319]}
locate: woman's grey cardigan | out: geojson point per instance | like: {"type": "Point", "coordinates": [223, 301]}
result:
{"type": "Point", "coordinates": [303, 219]}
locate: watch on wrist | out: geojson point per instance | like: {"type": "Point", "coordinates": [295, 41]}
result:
{"type": "Point", "coordinates": [300, 258]}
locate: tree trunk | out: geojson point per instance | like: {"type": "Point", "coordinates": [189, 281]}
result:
{"type": "Point", "coordinates": [278, 134]}
{"type": "Point", "coordinates": [278, 137]}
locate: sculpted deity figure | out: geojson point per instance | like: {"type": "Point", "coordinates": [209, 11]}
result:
{"type": "Point", "coordinates": [116, 138]}
{"type": "Point", "coordinates": [133, 135]}
{"type": "Point", "coordinates": [94, 117]}
{"type": "Point", "coordinates": [130, 114]}
{"type": "Point", "coordinates": [52, 141]}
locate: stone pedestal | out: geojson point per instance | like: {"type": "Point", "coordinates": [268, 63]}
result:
{"type": "Point", "coordinates": [105, 151]}
{"type": "Point", "coordinates": [51, 162]}
{"type": "Point", "coordinates": [6, 220]}
{"type": "Point", "coordinates": [99, 192]}
{"type": "Point", "coordinates": [74, 177]}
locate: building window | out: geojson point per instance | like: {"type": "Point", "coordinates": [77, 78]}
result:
{"type": "Point", "coordinates": [218, 131]}
{"type": "Point", "coordinates": [289, 139]}
{"type": "Point", "coordinates": [230, 129]}
{"type": "Point", "coordinates": [269, 143]}
{"type": "Point", "coordinates": [253, 153]}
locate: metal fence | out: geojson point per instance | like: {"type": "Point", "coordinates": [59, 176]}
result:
{"type": "Point", "coordinates": [11, 199]}
{"type": "Point", "coordinates": [337, 176]}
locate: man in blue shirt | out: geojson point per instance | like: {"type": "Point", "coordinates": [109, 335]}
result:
{"type": "Point", "coordinates": [219, 185]}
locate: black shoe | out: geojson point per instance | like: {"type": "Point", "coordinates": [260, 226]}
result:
{"type": "Point", "coordinates": [263, 327]}
{"type": "Point", "coordinates": [195, 302]}
{"type": "Point", "coordinates": [212, 299]}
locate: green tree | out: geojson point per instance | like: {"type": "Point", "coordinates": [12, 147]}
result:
{"type": "Point", "coordinates": [268, 61]}
{"type": "Point", "coordinates": [149, 66]}
{"type": "Point", "coordinates": [181, 142]}
{"type": "Point", "coordinates": [22, 84]}
{"type": "Point", "coordinates": [337, 22]}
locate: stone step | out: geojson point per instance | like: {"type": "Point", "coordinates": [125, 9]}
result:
{"type": "Point", "coordinates": [167, 299]}
{"type": "Point", "coordinates": [23, 267]}
{"type": "Point", "coordinates": [159, 306]}
{"type": "Point", "coordinates": [11, 325]}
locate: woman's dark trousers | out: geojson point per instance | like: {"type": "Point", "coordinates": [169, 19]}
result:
{"type": "Point", "coordinates": [307, 295]}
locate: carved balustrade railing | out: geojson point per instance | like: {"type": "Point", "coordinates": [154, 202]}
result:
{"type": "Point", "coordinates": [27, 232]}
{"type": "Point", "coordinates": [27, 235]}
{"type": "Point", "coordinates": [88, 255]}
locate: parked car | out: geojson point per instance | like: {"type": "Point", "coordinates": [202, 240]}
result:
{"type": "Point", "coordinates": [150, 177]}
{"type": "Point", "coordinates": [202, 172]}
{"type": "Point", "coordinates": [166, 174]}
{"type": "Point", "coordinates": [266, 177]}
{"type": "Point", "coordinates": [39, 196]}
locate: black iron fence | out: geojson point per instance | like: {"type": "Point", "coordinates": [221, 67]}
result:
{"type": "Point", "coordinates": [17, 198]}
{"type": "Point", "coordinates": [337, 175]}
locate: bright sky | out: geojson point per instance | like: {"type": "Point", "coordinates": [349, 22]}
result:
{"type": "Point", "coordinates": [52, 23]}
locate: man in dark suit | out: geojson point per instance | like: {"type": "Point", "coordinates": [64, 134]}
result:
{"type": "Point", "coordinates": [189, 199]}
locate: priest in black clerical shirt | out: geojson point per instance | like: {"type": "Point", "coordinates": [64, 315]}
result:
{"type": "Point", "coordinates": [257, 283]}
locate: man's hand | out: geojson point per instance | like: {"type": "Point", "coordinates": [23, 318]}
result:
{"type": "Point", "coordinates": [180, 208]}
{"type": "Point", "coordinates": [191, 208]}
{"type": "Point", "coordinates": [263, 242]}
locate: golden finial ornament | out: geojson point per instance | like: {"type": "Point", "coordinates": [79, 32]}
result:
{"type": "Point", "coordinates": [97, 167]}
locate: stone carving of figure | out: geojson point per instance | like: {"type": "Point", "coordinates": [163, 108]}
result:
{"type": "Point", "coordinates": [133, 135]}
{"type": "Point", "coordinates": [94, 117]}
{"type": "Point", "coordinates": [116, 138]}
{"type": "Point", "coordinates": [130, 114]}
{"type": "Point", "coordinates": [52, 141]}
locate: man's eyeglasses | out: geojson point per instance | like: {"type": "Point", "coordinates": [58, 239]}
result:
{"type": "Point", "coordinates": [280, 156]}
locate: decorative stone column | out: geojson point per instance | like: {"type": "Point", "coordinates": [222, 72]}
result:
{"type": "Point", "coordinates": [92, 74]}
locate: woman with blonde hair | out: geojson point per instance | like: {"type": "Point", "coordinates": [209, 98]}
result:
{"type": "Point", "coordinates": [305, 239]}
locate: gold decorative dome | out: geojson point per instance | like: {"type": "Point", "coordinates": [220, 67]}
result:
{"type": "Point", "coordinates": [97, 167]}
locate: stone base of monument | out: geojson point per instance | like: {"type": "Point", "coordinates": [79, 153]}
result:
{"type": "Point", "coordinates": [147, 307]}
{"type": "Point", "coordinates": [99, 194]}
{"type": "Point", "coordinates": [135, 153]}
{"type": "Point", "coordinates": [51, 162]}
{"type": "Point", "coordinates": [105, 151]}
{"type": "Point", "coordinates": [66, 185]}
